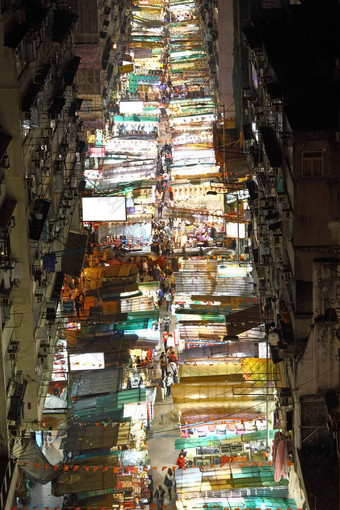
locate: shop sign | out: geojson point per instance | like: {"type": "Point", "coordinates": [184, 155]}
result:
{"type": "Point", "coordinates": [137, 411]}
{"type": "Point", "coordinates": [127, 107]}
{"type": "Point", "coordinates": [236, 230]}
{"type": "Point", "coordinates": [230, 270]}
{"type": "Point", "coordinates": [87, 361]}
{"type": "Point", "coordinates": [130, 203]}
{"type": "Point", "coordinates": [128, 68]}
{"type": "Point", "coordinates": [97, 152]}
{"type": "Point", "coordinates": [143, 53]}
{"type": "Point", "coordinates": [99, 137]}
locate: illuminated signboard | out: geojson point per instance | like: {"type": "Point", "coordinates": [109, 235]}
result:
{"type": "Point", "coordinates": [231, 270]}
{"type": "Point", "coordinates": [104, 209]}
{"type": "Point", "coordinates": [232, 231]}
{"type": "Point", "coordinates": [88, 361]}
{"type": "Point", "coordinates": [97, 152]}
{"type": "Point", "coordinates": [131, 107]}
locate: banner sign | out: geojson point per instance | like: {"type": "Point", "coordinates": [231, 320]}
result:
{"type": "Point", "coordinates": [128, 68]}
{"type": "Point", "coordinates": [97, 152]}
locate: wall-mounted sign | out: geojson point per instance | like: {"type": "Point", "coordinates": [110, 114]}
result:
{"type": "Point", "coordinates": [97, 152]}
{"type": "Point", "coordinates": [87, 361]}
{"type": "Point", "coordinates": [128, 68]}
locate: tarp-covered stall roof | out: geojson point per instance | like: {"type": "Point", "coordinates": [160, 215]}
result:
{"type": "Point", "coordinates": [86, 478]}
{"type": "Point", "coordinates": [94, 382]}
{"type": "Point", "coordinates": [81, 438]}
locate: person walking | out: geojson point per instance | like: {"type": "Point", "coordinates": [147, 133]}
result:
{"type": "Point", "coordinates": [159, 497]}
{"type": "Point", "coordinates": [168, 381]}
{"type": "Point", "coordinates": [81, 297]}
{"type": "Point", "coordinates": [169, 481]}
{"type": "Point", "coordinates": [173, 371]}
{"type": "Point", "coordinates": [163, 388]}
{"type": "Point", "coordinates": [150, 487]}
{"type": "Point", "coordinates": [77, 305]}
{"type": "Point", "coordinates": [165, 337]}
{"type": "Point", "coordinates": [163, 364]}
{"type": "Point", "coordinates": [168, 299]}
{"type": "Point", "coordinates": [170, 342]}
{"type": "Point", "coordinates": [181, 463]}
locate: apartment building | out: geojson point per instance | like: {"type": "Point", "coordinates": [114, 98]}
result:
{"type": "Point", "coordinates": [41, 158]}
{"type": "Point", "coordinates": [291, 134]}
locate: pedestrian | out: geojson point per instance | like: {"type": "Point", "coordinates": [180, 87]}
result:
{"type": "Point", "coordinates": [162, 385]}
{"type": "Point", "coordinates": [159, 497]}
{"type": "Point", "coordinates": [160, 297]}
{"type": "Point", "coordinates": [163, 364]}
{"type": "Point", "coordinates": [165, 337]}
{"type": "Point", "coordinates": [77, 305]}
{"type": "Point", "coordinates": [172, 356]}
{"type": "Point", "coordinates": [170, 342]}
{"type": "Point", "coordinates": [168, 299]}
{"type": "Point", "coordinates": [168, 381]}
{"type": "Point", "coordinates": [169, 480]}
{"type": "Point", "coordinates": [181, 461]}
{"type": "Point", "coordinates": [81, 297]}
{"type": "Point", "coordinates": [172, 367]}
{"type": "Point", "coordinates": [150, 487]}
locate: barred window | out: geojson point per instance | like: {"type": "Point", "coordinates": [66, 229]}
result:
{"type": "Point", "coordinates": [312, 164]}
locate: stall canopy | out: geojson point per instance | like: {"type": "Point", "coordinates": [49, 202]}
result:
{"type": "Point", "coordinates": [96, 382]}
{"type": "Point", "coordinates": [239, 322]}
{"type": "Point", "coordinates": [196, 442]}
{"type": "Point", "coordinates": [105, 408]}
{"type": "Point", "coordinates": [86, 478]}
{"type": "Point", "coordinates": [217, 353]}
{"type": "Point", "coordinates": [258, 370]}
{"type": "Point", "coordinates": [81, 438]}
{"type": "Point", "coordinates": [73, 257]}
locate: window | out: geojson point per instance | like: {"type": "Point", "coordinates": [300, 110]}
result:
{"type": "Point", "coordinates": [312, 164]}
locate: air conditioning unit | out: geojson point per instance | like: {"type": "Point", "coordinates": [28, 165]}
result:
{"type": "Point", "coordinates": [276, 170]}
{"type": "Point", "coordinates": [285, 397]}
{"type": "Point", "coordinates": [38, 163]}
{"type": "Point", "coordinates": [277, 108]}
{"type": "Point", "coordinates": [287, 215]}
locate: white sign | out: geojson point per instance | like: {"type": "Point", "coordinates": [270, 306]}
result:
{"type": "Point", "coordinates": [232, 231]}
{"type": "Point", "coordinates": [231, 270]}
{"type": "Point", "coordinates": [88, 361]}
{"type": "Point", "coordinates": [104, 209]}
{"type": "Point", "coordinates": [137, 411]}
{"type": "Point", "coordinates": [131, 107]}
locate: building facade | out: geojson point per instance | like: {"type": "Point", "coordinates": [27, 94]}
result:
{"type": "Point", "coordinates": [41, 169]}
{"type": "Point", "coordinates": [291, 134]}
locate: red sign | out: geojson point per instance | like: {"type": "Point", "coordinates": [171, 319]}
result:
{"type": "Point", "coordinates": [97, 152]}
